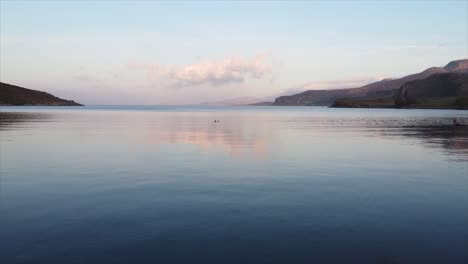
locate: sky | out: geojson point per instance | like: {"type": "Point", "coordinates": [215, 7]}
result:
{"type": "Point", "coordinates": [187, 52]}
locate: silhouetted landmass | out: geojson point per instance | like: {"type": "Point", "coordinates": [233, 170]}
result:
{"type": "Point", "coordinates": [385, 102]}
{"type": "Point", "coordinates": [383, 88]}
{"type": "Point", "coordinates": [446, 90]}
{"type": "Point", "coordinates": [15, 95]}
{"type": "Point", "coordinates": [442, 90]}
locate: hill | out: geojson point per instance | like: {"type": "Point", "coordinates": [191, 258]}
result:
{"type": "Point", "coordinates": [15, 95]}
{"type": "Point", "coordinates": [440, 90]}
{"type": "Point", "coordinates": [376, 89]}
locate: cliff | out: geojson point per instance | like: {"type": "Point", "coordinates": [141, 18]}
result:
{"type": "Point", "coordinates": [441, 90]}
{"type": "Point", "coordinates": [446, 90]}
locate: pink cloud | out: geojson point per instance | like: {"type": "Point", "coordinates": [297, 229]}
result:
{"type": "Point", "coordinates": [217, 73]}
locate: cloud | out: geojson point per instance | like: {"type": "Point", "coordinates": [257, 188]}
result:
{"type": "Point", "coordinates": [216, 73]}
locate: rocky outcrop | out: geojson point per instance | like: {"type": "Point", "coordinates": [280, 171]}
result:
{"type": "Point", "coordinates": [15, 95]}
{"type": "Point", "coordinates": [440, 90]}
{"type": "Point", "coordinates": [446, 90]}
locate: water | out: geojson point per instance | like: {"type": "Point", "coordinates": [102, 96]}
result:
{"type": "Point", "coordinates": [166, 184]}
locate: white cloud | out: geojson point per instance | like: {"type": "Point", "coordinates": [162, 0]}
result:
{"type": "Point", "coordinates": [216, 73]}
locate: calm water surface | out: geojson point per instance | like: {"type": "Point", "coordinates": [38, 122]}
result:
{"type": "Point", "coordinates": [264, 185]}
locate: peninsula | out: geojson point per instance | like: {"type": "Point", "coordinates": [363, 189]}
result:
{"type": "Point", "coordinates": [15, 95]}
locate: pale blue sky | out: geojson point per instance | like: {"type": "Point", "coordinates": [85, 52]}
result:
{"type": "Point", "coordinates": [146, 52]}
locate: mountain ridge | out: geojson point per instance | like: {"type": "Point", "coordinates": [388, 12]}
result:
{"type": "Point", "coordinates": [377, 89]}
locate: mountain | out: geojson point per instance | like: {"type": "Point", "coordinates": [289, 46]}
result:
{"type": "Point", "coordinates": [15, 95]}
{"type": "Point", "coordinates": [376, 89]}
{"type": "Point", "coordinates": [440, 90]}
{"type": "Point", "coordinates": [457, 66]}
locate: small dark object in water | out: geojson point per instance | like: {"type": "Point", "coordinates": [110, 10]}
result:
{"type": "Point", "coordinates": [455, 123]}
{"type": "Point", "coordinates": [216, 121]}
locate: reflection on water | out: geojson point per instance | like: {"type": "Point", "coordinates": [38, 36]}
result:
{"type": "Point", "coordinates": [240, 134]}
{"type": "Point", "coordinates": [432, 132]}
{"type": "Point", "coordinates": [453, 140]}
{"type": "Point", "coordinates": [14, 120]}
{"type": "Point", "coordinates": [264, 185]}
{"type": "Point", "coordinates": [233, 134]}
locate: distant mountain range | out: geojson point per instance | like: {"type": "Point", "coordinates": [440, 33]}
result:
{"type": "Point", "coordinates": [15, 95]}
{"type": "Point", "coordinates": [380, 89]}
